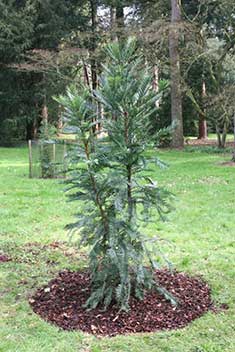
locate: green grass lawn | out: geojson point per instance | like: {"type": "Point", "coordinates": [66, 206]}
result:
{"type": "Point", "coordinates": [200, 238]}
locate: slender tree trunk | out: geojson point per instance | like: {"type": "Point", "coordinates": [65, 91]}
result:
{"type": "Point", "coordinates": [224, 134]}
{"type": "Point", "coordinates": [233, 156]}
{"type": "Point", "coordinates": [234, 127]}
{"type": "Point", "coordinates": [86, 75]}
{"type": "Point", "coordinates": [113, 23]}
{"type": "Point", "coordinates": [156, 82]}
{"type": "Point", "coordinates": [176, 95]}
{"type": "Point", "coordinates": [233, 153]}
{"type": "Point", "coordinates": [45, 113]}
{"type": "Point", "coordinates": [202, 133]}
{"type": "Point", "coordinates": [94, 64]}
{"type": "Point", "coordinates": [120, 19]}
{"type": "Point", "coordinates": [130, 202]}
{"type": "Point", "coordinates": [219, 141]}
{"type": "Point", "coordinates": [60, 120]}
{"type": "Point", "coordinates": [94, 21]}
{"type": "Point", "coordinates": [117, 21]}
{"type": "Point", "coordinates": [31, 130]}
{"type": "Point", "coordinates": [221, 136]}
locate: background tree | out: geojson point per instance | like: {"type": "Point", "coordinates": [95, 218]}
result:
{"type": "Point", "coordinates": [176, 98]}
{"type": "Point", "coordinates": [37, 36]}
{"type": "Point", "coordinates": [31, 27]}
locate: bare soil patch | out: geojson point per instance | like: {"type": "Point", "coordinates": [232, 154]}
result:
{"type": "Point", "coordinates": [205, 142]}
{"type": "Point", "coordinates": [228, 163]}
{"type": "Point", "coordinates": [61, 303]}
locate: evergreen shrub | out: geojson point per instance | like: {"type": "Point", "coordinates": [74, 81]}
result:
{"type": "Point", "coordinates": [109, 177]}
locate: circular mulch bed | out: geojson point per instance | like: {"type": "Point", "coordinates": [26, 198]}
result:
{"type": "Point", "coordinates": [61, 301]}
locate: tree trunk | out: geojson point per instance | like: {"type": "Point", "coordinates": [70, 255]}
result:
{"type": "Point", "coordinates": [45, 113]}
{"type": "Point", "coordinates": [224, 134]}
{"type": "Point", "coordinates": [156, 82]}
{"type": "Point", "coordinates": [176, 98]}
{"type": "Point", "coordinates": [233, 156]}
{"type": "Point", "coordinates": [218, 136]}
{"type": "Point", "coordinates": [202, 133]}
{"type": "Point", "coordinates": [120, 17]}
{"type": "Point", "coordinates": [85, 75]}
{"type": "Point", "coordinates": [233, 153]}
{"type": "Point", "coordinates": [116, 21]}
{"type": "Point", "coordinates": [94, 21]}
{"type": "Point", "coordinates": [31, 130]}
{"type": "Point", "coordinates": [221, 137]}
{"type": "Point", "coordinates": [113, 23]}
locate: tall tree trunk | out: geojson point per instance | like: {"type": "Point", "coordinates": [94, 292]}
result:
{"type": "Point", "coordinates": [45, 113]}
{"type": "Point", "coordinates": [31, 130]}
{"type": "Point", "coordinates": [94, 22]}
{"type": "Point", "coordinates": [233, 153]}
{"type": "Point", "coordinates": [176, 97]}
{"type": "Point", "coordinates": [224, 134]}
{"type": "Point", "coordinates": [116, 21]}
{"type": "Point", "coordinates": [234, 127]}
{"type": "Point", "coordinates": [120, 15]}
{"type": "Point", "coordinates": [221, 136]}
{"type": "Point", "coordinates": [202, 132]}
{"type": "Point", "coordinates": [219, 142]}
{"type": "Point", "coordinates": [94, 76]}
{"type": "Point", "coordinates": [113, 23]}
{"type": "Point", "coordinates": [156, 82]}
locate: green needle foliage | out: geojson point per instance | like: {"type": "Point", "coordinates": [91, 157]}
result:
{"type": "Point", "coordinates": [107, 176]}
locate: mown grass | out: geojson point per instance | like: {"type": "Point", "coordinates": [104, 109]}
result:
{"type": "Point", "coordinates": [201, 240]}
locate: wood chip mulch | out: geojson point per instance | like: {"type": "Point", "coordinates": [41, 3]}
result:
{"type": "Point", "coordinates": [61, 303]}
{"type": "Point", "coordinates": [4, 258]}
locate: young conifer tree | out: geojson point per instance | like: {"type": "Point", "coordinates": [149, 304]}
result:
{"type": "Point", "coordinates": [109, 176]}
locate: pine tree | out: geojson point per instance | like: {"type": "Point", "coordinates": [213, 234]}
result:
{"type": "Point", "coordinates": [108, 178]}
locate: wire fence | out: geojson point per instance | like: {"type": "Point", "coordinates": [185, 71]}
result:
{"type": "Point", "coordinates": [47, 159]}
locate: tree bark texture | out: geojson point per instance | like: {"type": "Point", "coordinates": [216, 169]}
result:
{"type": "Point", "coordinates": [176, 96]}
{"type": "Point", "coordinates": [117, 21]}
{"type": "Point", "coordinates": [156, 82]}
{"type": "Point", "coordinates": [202, 131]}
{"type": "Point", "coordinates": [94, 21]}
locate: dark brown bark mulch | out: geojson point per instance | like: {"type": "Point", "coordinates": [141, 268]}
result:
{"type": "Point", "coordinates": [61, 303]}
{"type": "Point", "coordinates": [4, 258]}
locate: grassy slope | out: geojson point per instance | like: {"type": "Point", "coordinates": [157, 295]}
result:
{"type": "Point", "coordinates": [201, 231]}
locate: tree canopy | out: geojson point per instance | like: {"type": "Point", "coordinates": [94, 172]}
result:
{"type": "Point", "coordinates": [45, 45]}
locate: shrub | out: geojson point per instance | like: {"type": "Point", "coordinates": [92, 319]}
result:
{"type": "Point", "coordinates": [12, 132]}
{"type": "Point", "coordinates": [163, 137]}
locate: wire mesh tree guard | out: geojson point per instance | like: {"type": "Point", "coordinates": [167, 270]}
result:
{"type": "Point", "coordinates": [47, 158]}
